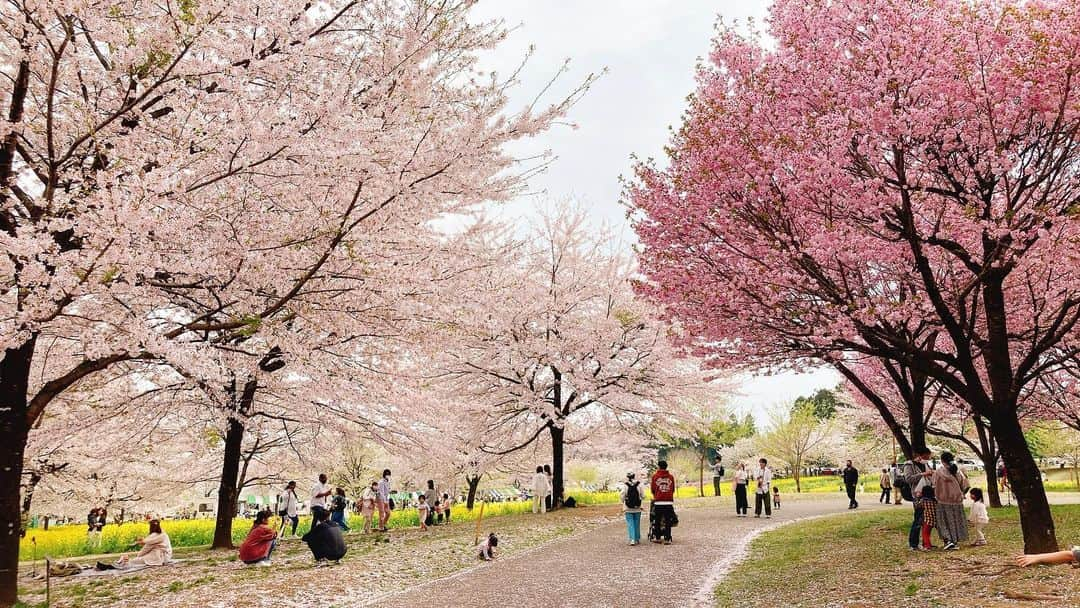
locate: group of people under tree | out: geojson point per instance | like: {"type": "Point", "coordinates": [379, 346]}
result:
{"type": "Point", "coordinates": [937, 498]}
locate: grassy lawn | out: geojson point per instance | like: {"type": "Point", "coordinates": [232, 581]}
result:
{"type": "Point", "coordinates": [375, 564]}
{"type": "Point", "coordinates": [863, 561]}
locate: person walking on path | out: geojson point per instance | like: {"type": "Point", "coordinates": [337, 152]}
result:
{"type": "Point", "coordinates": [912, 474]}
{"type": "Point", "coordinates": [541, 490]}
{"type": "Point", "coordinates": [662, 485]}
{"type": "Point", "coordinates": [319, 494]}
{"type": "Point", "coordinates": [739, 482]}
{"type": "Point", "coordinates": [382, 500]}
{"type": "Point", "coordinates": [978, 517]}
{"type": "Point", "coordinates": [950, 486]}
{"type": "Point", "coordinates": [630, 497]}
{"type": "Point", "coordinates": [289, 507]}
{"type": "Point", "coordinates": [717, 474]}
{"type": "Point", "coordinates": [851, 482]}
{"type": "Point", "coordinates": [886, 486]}
{"type": "Point", "coordinates": [337, 509]}
{"type": "Point", "coordinates": [763, 478]}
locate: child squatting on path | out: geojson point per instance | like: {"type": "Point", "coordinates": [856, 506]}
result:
{"type": "Point", "coordinates": [776, 498]}
{"type": "Point", "coordinates": [978, 517]}
{"type": "Point", "coordinates": [486, 549]}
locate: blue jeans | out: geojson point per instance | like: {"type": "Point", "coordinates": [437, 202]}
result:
{"type": "Point", "coordinates": [338, 517]}
{"type": "Point", "coordinates": [273, 545]}
{"type": "Point", "coordinates": [633, 526]}
{"type": "Point", "coordinates": [916, 528]}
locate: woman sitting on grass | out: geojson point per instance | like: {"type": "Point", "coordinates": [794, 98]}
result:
{"type": "Point", "coordinates": [156, 548]}
{"type": "Point", "coordinates": [260, 542]}
{"type": "Point", "coordinates": [1072, 556]}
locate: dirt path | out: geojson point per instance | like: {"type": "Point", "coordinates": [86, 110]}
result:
{"type": "Point", "coordinates": [597, 568]}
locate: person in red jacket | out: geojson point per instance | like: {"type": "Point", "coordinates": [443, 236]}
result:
{"type": "Point", "coordinates": [663, 503]}
{"type": "Point", "coordinates": [260, 542]}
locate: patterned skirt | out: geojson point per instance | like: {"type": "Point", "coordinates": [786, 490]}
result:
{"type": "Point", "coordinates": [951, 523]}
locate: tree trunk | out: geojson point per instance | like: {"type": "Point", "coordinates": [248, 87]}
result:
{"type": "Point", "coordinates": [701, 476]}
{"type": "Point", "coordinates": [1036, 521]}
{"type": "Point", "coordinates": [227, 494]}
{"type": "Point", "coordinates": [987, 452]}
{"type": "Point", "coordinates": [28, 499]}
{"type": "Point", "coordinates": [15, 430]}
{"type": "Point", "coordinates": [992, 494]}
{"type": "Point", "coordinates": [557, 436]}
{"type": "Point", "coordinates": [473, 481]}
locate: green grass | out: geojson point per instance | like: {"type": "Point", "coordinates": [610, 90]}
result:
{"type": "Point", "coordinates": [862, 560]}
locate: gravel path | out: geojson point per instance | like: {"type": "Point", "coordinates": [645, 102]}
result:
{"type": "Point", "coordinates": [597, 568]}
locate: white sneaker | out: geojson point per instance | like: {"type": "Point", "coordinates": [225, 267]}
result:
{"type": "Point", "coordinates": [321, 563]}
{"type": "Point", "coordinates": [265, 562]}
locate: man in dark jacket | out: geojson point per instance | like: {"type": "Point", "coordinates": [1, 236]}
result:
{"type": "Point", "coordinates": [325, 539]}
{"type": "Point", "coordinates": [851, 479]}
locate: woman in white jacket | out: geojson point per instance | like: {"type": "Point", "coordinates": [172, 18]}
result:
{"type": "Point", "coordinates": [156, 548]}
{"type": "Point", "coordinates": [540, 490]}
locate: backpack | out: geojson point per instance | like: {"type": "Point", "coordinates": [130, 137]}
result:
{"type": "Point", "coordinates": [722, 470]}
{"type": "Point", "coordinates": [633, 496]}
{"type": "Point", "coordinates": [902, 484]}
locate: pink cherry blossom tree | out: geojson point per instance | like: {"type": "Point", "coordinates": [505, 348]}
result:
{"type": "Point", "coordinates": [173, 175]}
{"type": "Point", "coordinates": [890, 170]}
{"type": "Point", "coordinates": [561, 346]}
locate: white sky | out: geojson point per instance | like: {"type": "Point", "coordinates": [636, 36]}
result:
{"type": "Point", "coordinates": [649, 49]}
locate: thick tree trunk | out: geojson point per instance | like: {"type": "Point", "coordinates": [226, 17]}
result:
{"type": "Point", "coordinates": [557, 447]}
{"type": "Point", "coordinates": [227, 494]}
{"type": "Point", "coordinates": [14, 429]}
{"type": "Point", "coordinates": [473, 481]}
{"type": "Point", "coordinates": [1036, 521]}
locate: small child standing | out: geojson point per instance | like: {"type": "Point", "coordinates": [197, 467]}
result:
{"type": "Point", "coordinates": [423, 510]}
{"type": "Point", "coordinates": [929, 509]}
{"type": "Point", "coordinates": [486, 549]}
{"type": "Point", "coordinates": [978, 517]}
{"type": "Point", "coordinates": [775, 498]}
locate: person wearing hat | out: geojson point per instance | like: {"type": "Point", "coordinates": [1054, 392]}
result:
{"type": "Point", "coordinates": [288, 507]}
{"type": "Point", "coordinates": [631, 496]}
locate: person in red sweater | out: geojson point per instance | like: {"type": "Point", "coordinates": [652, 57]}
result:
{"type": "Point", "coordinates": [663, 503]}
{"type": "Point", "coordinates": [260, 542]}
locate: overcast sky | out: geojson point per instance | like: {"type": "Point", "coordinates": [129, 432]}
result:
{"type": "Point", "coordinates": [649, 49]}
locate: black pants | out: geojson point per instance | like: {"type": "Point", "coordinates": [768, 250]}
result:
{"type": "Point", "coordinates": [662, 516]}
{"type": "Point", "coordinates": [762, 499]}
{"type": "Point", "coordinates": [851, 495]}
{"type": "Point", "coordinates": [886, 496]}
{"type": "Point", "coordinates": [741, 504]}
{"type": "Point", "coordinates": [716, 486]}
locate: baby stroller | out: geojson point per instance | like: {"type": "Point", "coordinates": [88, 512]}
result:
{"type": "Point", "coordinates": [654, 532]}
